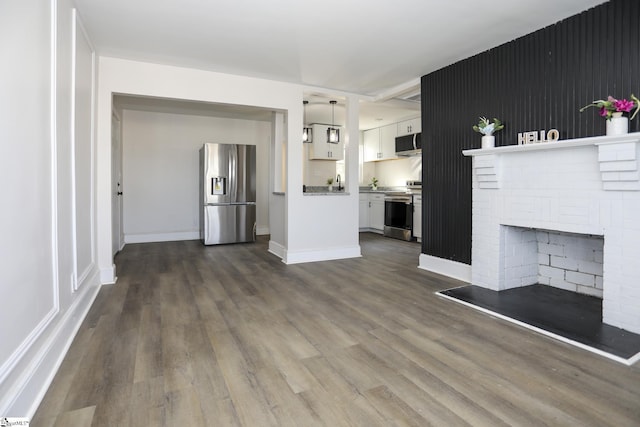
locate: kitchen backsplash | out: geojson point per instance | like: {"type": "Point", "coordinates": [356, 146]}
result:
{"type": "Point", "coordinates": [393, 173]}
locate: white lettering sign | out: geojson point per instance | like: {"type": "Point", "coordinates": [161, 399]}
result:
{"type": "Point", "coordinates": [536, 137]}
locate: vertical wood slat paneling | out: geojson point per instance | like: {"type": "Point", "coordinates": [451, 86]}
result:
{"type": "Point", "coordinates": [539, 81]}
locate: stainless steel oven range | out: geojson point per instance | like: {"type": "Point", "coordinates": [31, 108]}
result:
{"type": "Point", "coordinates": [398, 215]}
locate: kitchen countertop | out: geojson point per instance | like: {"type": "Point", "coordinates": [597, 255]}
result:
{"type": "Point", "coordinates": [322, 191]}
{"type": "Point", "coordinates": [326, 193]}
{"type": "Point", "coordinates": [381, 190]}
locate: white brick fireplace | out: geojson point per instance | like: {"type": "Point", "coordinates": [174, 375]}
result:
{"type": "Point", "coordinates": [565, 214]}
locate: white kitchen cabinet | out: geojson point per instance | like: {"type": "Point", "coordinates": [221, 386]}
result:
{"type": "Point", "coordinates": [376, 211]}
{"type": "Point", "coordinates": [371, 145]}
{"type": "Point", "coordinates": [363, 213]}
{"type": "Point", "coordinates": [320, 149]}
{"type": "Point", "coordinates": [407, 127]}
{"type": "Point", "coordinates": [371, 215]}
{"type": "Point", "coordinates": [380, 143]}
{"type": "Point", "coordinates": [388, 142]}
{"type": "Point", "coordinates": [417, 217]}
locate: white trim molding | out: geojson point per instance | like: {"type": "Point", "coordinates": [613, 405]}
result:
{"type": "Point", "coordinates": [290, 257]}
{"type": "Point", "coordinates": [446, 267]}
{"type": "Point", "coordinates": [32, 371]}
{"type": "Point", "coordinates": [277, 249]}
{"type": "Point", "coordinates": [161, 237]}
{"type": "Point", "coordinates": [108, 275]}
{"type": "Point", "coordinates": [262, 230]}
{"type": "Point", "coordinates": [77, 28]}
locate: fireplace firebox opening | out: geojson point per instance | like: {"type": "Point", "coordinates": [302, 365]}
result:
{"type": "Point", "coordinates": [568, 261]}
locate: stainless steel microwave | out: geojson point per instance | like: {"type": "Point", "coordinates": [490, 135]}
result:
{"type": "Point", "coordinates": [409, 145]}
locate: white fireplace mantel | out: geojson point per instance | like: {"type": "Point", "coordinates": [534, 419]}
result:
{"type": "Point", "coordinates": [618, 156]}
{"type": "Point", "coordinates": [587, 186]}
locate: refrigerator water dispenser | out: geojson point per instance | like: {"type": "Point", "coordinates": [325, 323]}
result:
{"type": "Point", "coordinates": [218, 186]}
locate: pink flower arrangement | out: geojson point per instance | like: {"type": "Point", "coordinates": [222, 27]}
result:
{"type": "Point", "coordinates": [621, 105]}
{"type": "Point", "coordinates": [608, 107]}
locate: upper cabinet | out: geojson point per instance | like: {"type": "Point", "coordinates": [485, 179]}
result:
{"type": "Point", "coordinates": [388, 141]}
{"type": "Point", "coordinates": [371, 144]}
{"type": "Point", "coordinates": [320, 149]}
{"type": "Point", "coordinates": [380, 143]}
{"type": "Point", "coordinates": [407, 127]}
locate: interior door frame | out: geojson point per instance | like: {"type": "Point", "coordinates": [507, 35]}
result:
{"type": "Point", "coordinates": [117, 234]}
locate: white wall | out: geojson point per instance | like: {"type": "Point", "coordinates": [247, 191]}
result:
{"type": "Point", "coordinates": [46, 152]}
{"type": "Point", "coordinates": [161, 171]}
{"type": "Point", "coordinates": [313, 231]}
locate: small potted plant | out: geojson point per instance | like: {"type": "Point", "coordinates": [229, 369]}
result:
{"type": "Point", "coordinates": [487, 128]}
{"type": "Point", "coordinates": [613, 109]}
{"type": "Point", "coordinates": [330, 184]}
{"type": "Point", "coordinates": [374, 183]}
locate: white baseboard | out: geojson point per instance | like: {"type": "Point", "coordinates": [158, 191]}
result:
{"type": "Point", "coordinates": [262, 231]}
{"type": "Point", "coordinates": [108, 275]}
{"type": "Point", "coordinates": [370, 230]}
{"type": "Point", "coordinates": [277, 249]}
{"type": "Point", "coordinates": [292, 257]}
{"type": "Point", "coordinates": [446, 267]}
{"type": "Point", "coordinates": [33, 373]}
{"type": "Point", "coordinates": [161, 237]}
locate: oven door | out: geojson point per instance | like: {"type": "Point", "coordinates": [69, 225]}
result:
{"type": "Point", "coordinates": [398, 217]}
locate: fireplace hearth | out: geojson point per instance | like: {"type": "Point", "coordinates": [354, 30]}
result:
{"type": "Point", "coordinates": [568, 316]}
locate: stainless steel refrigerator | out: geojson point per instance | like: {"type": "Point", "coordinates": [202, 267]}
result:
{"type": "Point", "coordinates": [227, 193]}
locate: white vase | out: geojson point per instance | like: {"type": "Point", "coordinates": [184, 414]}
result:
{"type": "Point", "coordinates": [488, 141]}
{"type": "Point", "coordinates": [330, 187]}
{"type": "Point", "coordinates": [617, 125]}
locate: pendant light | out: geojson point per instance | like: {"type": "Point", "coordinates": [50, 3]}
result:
{"type": "Point", "coordinates": [333, 134]}
{"type": "Point", "coordinates": [307, 133]}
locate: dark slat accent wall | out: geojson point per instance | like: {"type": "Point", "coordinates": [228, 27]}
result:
{"type": "Point", "coordinates": [539, 81]}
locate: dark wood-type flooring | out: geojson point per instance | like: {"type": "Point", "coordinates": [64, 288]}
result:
{"type": "Point", "coordinates": [230, 336]}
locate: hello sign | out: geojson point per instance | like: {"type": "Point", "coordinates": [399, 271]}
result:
{"type": "Point", "coordinates": [536, 137]}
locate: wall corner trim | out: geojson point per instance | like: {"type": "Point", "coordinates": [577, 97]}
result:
{"type": "Point", "coordinates": [108, 275]}
{"type": "Point", "coordinates": [277, 249]}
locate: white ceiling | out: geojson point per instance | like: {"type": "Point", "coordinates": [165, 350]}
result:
{"type": "Point", "coordinates": [374, 48]}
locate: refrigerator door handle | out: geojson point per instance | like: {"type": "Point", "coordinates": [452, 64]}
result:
{"type": "Point", "coordinates": [233, 173]}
